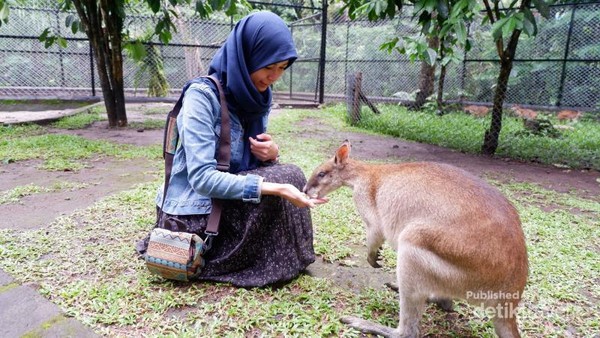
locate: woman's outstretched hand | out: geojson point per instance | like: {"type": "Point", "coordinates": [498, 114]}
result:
{"type": "Point", "coordinates": [292, 194]}
{"type": "Point", "coordinates": [263, 147]}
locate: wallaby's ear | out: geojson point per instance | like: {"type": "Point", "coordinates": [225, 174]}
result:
{"type": "Point", "coordinates": [343, 152]}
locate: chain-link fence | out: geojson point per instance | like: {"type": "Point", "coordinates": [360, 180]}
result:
{"type": "Point", "coordinates": [560, 67]}
{"type": "Point", "coordinates": [29, 70]}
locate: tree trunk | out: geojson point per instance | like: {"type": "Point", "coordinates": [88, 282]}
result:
{"type": "Point", "coordinates": [114, 27]}
{"type": "Point", "coordinates": [103, 26]}
{"type": "Point", "coordinates": [492, 135]}
{"type": "Point", "coordinates": [427, 76]}
{"type": "Point", "coordinates": [440, 92]}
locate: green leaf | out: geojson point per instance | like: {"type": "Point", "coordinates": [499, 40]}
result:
{"type": "Point", "coordinates": [201, 9]}
{"type": "Point", "coordinates": [389, 46]}
{"type": "Point", "coordinates": [430, 5]}
{"type": "Point", "coordinates": [461, 31]}
{"type": "Point", "coordinates": [497, 28]}
{"type": "Point", "coordinates": [391, 9]}
{"type": "Point", "coordinates": [529, 23]}
{"type": "Point", "coordinates": [44, 35]}
{"type": "Point", "coordinates": [69, 20]}
{"type": "Point", "coordinates": [542, 7]}
{"type": "Point", "coordinates": [446, 26]}
{"type": "Point", "coordinates": [230, 8]}
{"type": "Point", "coordinates": [154, 5]}
{"type": "Point", "coordinates": [160, 26]}
{"type": "Point", "coordinates": [72, 22]}
{"type": "Point", "coordinates": [418, 7]}
{"type": "Point", "coordinates": [429, 56]}
{"type": "Point", "coordinates": [216, 4]}
{"type": "Point", "coordinates": [4, 12]}
{"type": "Point", "coordinates": [62, 42]}
{"type": "Point", "coordinates": [165, 36]}
{"type": "Point", "coordinates": [509, 27]}
{"type": "Point", "coordinates": [49, 41]}
{"type": "Point", "coordinates": [442, 9]}
{"type": "Point", "coordinates": [468, 45]}
{"type": "Point", "coordinates": [136, 50]}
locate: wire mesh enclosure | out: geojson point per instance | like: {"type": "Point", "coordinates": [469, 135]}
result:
{"type": "Point", "coordinates": [560, 67]}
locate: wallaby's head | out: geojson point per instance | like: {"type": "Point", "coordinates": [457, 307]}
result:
{"type": "Point", "coordinates": [327, 176]}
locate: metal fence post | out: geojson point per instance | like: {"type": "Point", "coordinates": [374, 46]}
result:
{"type": "Point", "coordinates": [93, 80]}
{"type": "Point", "coordinates": [291, 68]}
{"type": "Point", "coordinates": [561, 86]}
{"type": "Point", "coordinates": [60, 51]}
{"type": "Point", "coordinates": [464, 69]}
{"type": "Point", "coordinates": [323, 54]}
{"type": "Point", "coordinates": [347, 48]}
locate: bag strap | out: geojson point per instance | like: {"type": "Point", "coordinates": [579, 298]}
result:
{"type": "Point", "coordinates": [171, 138]}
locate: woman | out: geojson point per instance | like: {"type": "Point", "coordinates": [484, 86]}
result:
{"type": "Point", "coordinates": [265, 233]}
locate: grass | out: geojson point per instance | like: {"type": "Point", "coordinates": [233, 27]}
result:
{"type": "Point", "coordinates": [577, 148]}
{"type": "Point", "coordinates": [14, 195]}
{"type": "Point", "coordinates": [85, 262]}
{"type": "Point", "coordinates": [60, 152]}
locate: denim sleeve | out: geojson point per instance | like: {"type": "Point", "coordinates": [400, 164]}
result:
{"type": "Point", "coordinates": [199, 129]}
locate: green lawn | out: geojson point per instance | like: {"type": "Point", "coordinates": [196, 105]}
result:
{"type": "Point", "coordinates": [85, 263]}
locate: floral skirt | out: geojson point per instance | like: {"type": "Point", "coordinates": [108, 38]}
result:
{"type": "Point", "coordinates": [258, 244]}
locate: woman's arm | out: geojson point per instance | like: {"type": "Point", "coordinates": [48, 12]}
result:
{"type": "Point", "coordinates": [290, 193]}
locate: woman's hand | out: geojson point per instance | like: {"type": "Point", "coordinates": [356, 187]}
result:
{"type": "Point", "coordinates": [291, 193]}
{"type": "Point", "coordinates": [264, 148]}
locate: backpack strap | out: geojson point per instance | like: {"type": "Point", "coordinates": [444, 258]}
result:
{"type": "Point", "coordinates": [171, 139]}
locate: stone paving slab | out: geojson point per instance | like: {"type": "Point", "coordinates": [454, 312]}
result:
{"type": "Point", "coordinates": [5, 278]}
{"type": "Point", "coordinates": [23, 311]}
{"type": "Point", "coordinates": [16, 117]}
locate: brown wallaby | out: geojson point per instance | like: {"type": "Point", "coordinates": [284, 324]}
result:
{"type": "Point", "coordinates": [478, 111]}
{"type": "Point", "coordinates": [568, 115]}
{"type": "Point", "coordinates": [524, 113]}
{"type": "Point", "coordinates": [456, 236]}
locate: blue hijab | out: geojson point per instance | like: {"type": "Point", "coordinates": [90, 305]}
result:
{"type": "Point", "coordinates": [258, 40]}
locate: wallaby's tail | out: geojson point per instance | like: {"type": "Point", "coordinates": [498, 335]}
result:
{"type": "Point", "coordinates": [366, 326]}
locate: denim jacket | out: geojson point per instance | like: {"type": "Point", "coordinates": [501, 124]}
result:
{"type": "Point", "coordinates": [194, 177]}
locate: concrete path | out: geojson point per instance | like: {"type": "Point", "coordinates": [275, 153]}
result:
{"type": "Point", "coordinates": [24, 312]}
{"type": "Point", "coordinates": [16, 117]}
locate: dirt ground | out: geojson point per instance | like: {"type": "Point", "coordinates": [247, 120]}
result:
{"type": "Point", "coordinates": [107, 176]}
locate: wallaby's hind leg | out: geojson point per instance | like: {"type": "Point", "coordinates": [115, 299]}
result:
{"type": "Point", "coordinates": [444, 303]}
{"type": "Point", "coordinates": [506, 327]}
{"type": "Point", "coordinates": [411, 310]}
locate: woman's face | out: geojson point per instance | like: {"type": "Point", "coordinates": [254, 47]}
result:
{"type": "Point", "coordinates": [265, 77]}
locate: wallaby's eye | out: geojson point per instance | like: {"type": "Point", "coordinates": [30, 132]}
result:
{"type": "Point", "coordinates": [322, 174]}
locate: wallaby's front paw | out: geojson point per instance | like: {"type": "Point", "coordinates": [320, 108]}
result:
{"type": "Point", "coordinates": [372, 258]}
{"type": "Point", "coordinates": [373, 262]}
